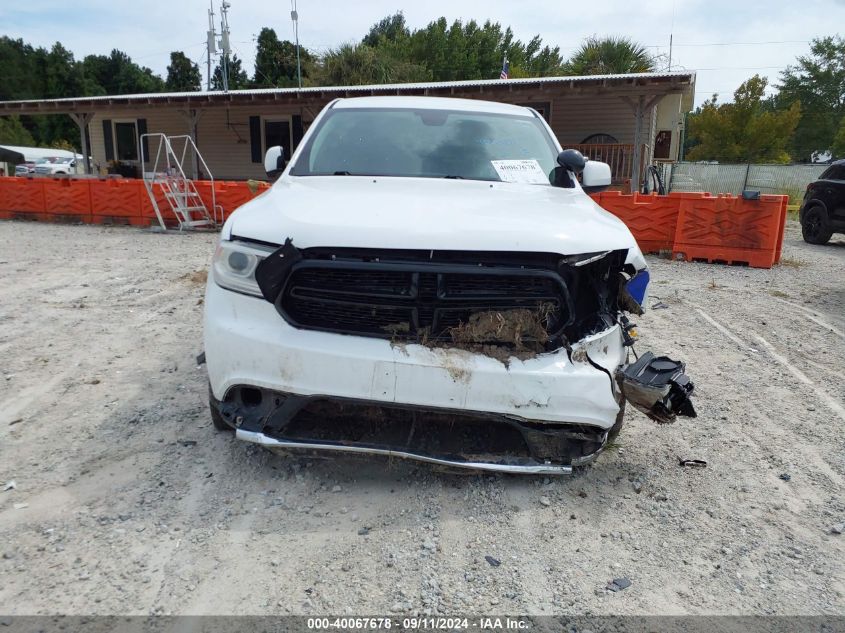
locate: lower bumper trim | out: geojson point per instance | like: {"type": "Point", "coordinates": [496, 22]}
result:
{"type": "Point", "coordinates": [528, 467]}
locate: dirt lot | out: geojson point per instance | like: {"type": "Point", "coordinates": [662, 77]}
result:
{"type": "Point", "coordinates": [128, 502]}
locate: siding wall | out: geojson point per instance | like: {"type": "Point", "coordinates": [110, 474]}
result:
{"type": "Point", "coordinates": [223, 136]}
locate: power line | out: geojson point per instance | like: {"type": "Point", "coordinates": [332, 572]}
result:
{"type": "Point", "coordinates": [748, 43]}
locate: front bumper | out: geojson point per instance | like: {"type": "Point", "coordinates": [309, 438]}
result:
{"type": "Point", "coordinates": [248, 343]}
{"type": "Point", "coordinates": [286, 388]}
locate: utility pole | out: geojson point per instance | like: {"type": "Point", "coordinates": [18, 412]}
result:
{"type": "Point", "coordinates": [295, 17]}
{"type": "Point", "coordinates": [224, 43]}
{"type": "Point", "coordinates": [211, 42]}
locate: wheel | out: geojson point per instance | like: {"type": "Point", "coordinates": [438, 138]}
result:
{"type": "Point", "coordinates": [814, 226]}
{"type": "Point", "coordinates": [216, 419]}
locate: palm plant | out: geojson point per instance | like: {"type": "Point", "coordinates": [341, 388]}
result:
{"type": "Point", "coordinates": [610, 56]}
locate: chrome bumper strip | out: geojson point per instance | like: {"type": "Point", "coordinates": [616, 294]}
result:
{"type": "Point", "coordinates": [526, 469]}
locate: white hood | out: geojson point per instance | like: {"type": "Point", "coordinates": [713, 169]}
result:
{"type": "Point", "coordinates": [429, 214]}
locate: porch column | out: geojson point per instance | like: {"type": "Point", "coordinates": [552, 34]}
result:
{"type": "Point", "coordinates": [82, 119]}
{"type": "Point", "coordinates": [640, 108]}
{"type": "Point", "coordinates": [192, 118]}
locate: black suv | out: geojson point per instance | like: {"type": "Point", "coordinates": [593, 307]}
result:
{"type": "Point", "coordinates": [823, 209]}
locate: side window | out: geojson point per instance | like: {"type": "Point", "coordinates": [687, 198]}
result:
{"type": "Point", "coordinates": [277, 133]}
{"type": "Point", "coordinates": [838, 172]}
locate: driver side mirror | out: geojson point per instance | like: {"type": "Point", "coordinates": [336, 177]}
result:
{"type": "Point", "coordinates": [274, 161]}
{"type": "Point", "coordinates": [572, 159]}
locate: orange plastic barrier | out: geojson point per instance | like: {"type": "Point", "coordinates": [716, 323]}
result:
{"type": "Point", "coordinates": [116, 201]}
{"type": "Point", "coordinates": [148, 214]}
{"type": "Point", "coordinates": [231, 195]}
{"type": "Point", "coordinates": [650, 218]}
{"type": "Point", "coordinates": [22, 198]}
{"type": "Point", "coordinates": [694, 226]}
{"type": "Point", "coordinates": [67, 199]}
{"type": "Point", "coordinates": [731, 230]}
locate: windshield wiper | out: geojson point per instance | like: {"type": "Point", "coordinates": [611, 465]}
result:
{"type": "Point", "coordinates": [342, 173]}
{"type": "Point", "coordinates": [451, 177]}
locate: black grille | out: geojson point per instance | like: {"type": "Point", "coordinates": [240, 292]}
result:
{"type": "Point", "coordinates": [406, 300]}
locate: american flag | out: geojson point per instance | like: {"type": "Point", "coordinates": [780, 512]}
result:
{"type": "Point", "coordinates": [506, 66]}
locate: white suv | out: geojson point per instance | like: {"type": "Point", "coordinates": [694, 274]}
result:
{"type": "Point", "coordinates": [428, 279]}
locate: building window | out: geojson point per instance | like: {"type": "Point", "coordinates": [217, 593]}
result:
{"type": "Point", "coordinates": [543, 108]}
{"type": "Point", "coordinates": [600, 139]}
{"type": "Point", "coordinates": [663, 145]}
{"type": "Point", "coordinates": [277, 133]}
{"type": "Point", "coordinates": [126, 140]}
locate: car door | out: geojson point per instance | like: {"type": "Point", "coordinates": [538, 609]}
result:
{"type": "Point", "coordinates": [835, 193]}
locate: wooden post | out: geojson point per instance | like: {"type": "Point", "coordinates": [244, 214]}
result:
{"type": "Point", "coordinates": [192, 118]}
{"type": "Point", "coordinates": [639, 108]}
{"type": "Point", "coordinates": [82, 119]}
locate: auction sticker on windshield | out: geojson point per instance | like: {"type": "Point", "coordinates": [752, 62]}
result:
{"type": "Point", "coordinates": [527, 172]}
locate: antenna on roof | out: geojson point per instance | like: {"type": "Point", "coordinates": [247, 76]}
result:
{"type": "Point", "coordinates": [294, 16]}
{"type": "Point", "coordinates": [224, 43]}
{"type": "Point", "coordinates": [210, 43]}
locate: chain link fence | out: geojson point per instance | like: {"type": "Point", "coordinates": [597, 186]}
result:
{"type": "Point", "coordinates": [791, 180]}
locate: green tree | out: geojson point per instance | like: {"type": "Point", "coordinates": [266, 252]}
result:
{"type": "Point", "coordinates": [444, 51]}
{"type": "Point", "coordinates": [237, 76]}
{"type": "Point", "coordinates": [117, 74]}
{"type": "Point", "coordinates": [12, 132]}
{"type": "Point", "coordinates": [183, 75]}
{"type": "Point", "coordinates": [817, 82]}
{"type": "Point", "coordinates": [610, 55]}
{"type": "Point", "coordinates": [275, 61]}
{"type": "Point", "coordinates": [745, 130]}
{"type": "Point", "coordinates": [838, 146]}
{"type": "Point", "coordinates": [20, 79]}
{"type": "Point", "coordinates": [359, 64]}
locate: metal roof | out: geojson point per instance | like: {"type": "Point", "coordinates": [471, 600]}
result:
{"type": "Point", "coordinates": [636, 79]}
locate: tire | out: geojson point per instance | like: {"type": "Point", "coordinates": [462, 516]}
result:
{"type": "Point", "coordinates": [216, 419]}
{"type": "Point", "coordinates": [814, 226]}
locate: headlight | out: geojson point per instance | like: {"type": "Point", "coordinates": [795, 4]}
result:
{"type": "Point", "coordinates": [233, 266]}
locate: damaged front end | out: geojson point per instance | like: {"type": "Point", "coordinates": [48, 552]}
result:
{"type": "Point", "coordinates": [657, 386]}
{"type": "Point", "coordinates": [505, 306]}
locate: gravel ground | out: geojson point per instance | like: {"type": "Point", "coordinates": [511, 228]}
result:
{"type": "Point", "coordinates": [127, 502]}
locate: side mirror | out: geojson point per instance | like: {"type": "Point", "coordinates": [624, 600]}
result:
{"type": "Point", "coordinates": [595, 177]}
{"type": "Point", "coordinates": [274, 161]}
{"type": "Point", "coordinates": [572, 159]}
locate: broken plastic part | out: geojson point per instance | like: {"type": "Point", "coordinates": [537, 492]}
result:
{"type": "Point", "coordinates": [658, 386]}
{"type": "Point", "coordinates": [272, 272]}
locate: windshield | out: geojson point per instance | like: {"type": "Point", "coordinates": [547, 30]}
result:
{"type": "Point", "coordinates": [47, 161]}
{"type": "Point", "coordinates": [423, 143]}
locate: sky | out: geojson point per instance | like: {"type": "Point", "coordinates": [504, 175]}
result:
{"type": "Point", "coordinates": [723, 41]}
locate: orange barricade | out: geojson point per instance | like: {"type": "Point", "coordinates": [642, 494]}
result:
{"type": "Point", "coordinates": [731, 230]}
{"type": "Point", "coordinates": [650, 218]}
{"type": "Point", "coordinates": [694, 226]}
{"type": "Point", "coordinates": [22, 198]}
{"type": "Point", "coordinates": [231, 195]}
{"type": "Point", "coordinates": [116, 201]}
{"type": "Point", "coordinates": [67, 199]}
{"type": "Point", "coordinates": [148, 214]}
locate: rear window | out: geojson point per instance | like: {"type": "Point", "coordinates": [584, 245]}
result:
{"type": "Point", "coordinates": [834, 172]}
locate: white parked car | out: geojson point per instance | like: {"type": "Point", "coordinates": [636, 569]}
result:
{"type": "Point", "coordinates": [428, 279]}
{"type": "Point", "coordinates": [55, 166]}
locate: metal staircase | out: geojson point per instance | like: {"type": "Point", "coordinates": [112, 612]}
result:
{"type": "Point", "coordinates": [167, 182]}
